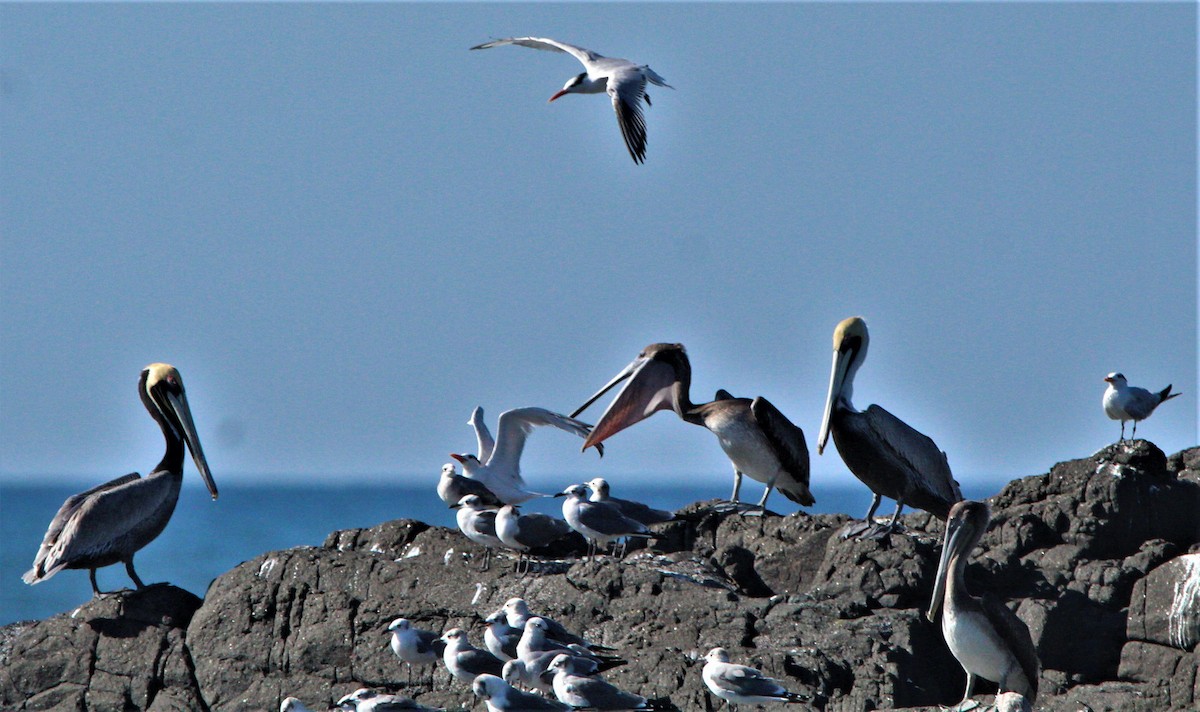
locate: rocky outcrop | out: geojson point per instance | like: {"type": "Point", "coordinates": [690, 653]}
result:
{"type": "Point", "coordinates": [1098, 556]}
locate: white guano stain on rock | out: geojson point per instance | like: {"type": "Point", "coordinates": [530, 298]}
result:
{"type": "Point", "coordinates": [1184, 618]}
{"type": "Point", "coordinates": [267, 567]}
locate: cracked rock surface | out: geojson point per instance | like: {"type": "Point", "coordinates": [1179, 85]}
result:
{"type": "Point", "coordinates": [1099, 556]}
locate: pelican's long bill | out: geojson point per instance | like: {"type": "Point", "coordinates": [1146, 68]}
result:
{"type": "Point", "coordinates": [165, 387]}
{"type": "Point", "coordinates": [950, 542]}
{"type": "Point", "coordinates": [837, 376]}
{"type": "Point", "coordinates": [651, 388]}
{"type": "Point", "coordinates": [849, 348]}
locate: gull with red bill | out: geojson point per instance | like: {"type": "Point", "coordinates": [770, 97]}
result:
{"type": "Point", "coordinates": [624, 81]}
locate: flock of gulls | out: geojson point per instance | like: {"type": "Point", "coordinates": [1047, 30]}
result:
{"type": "Point", "coordinates": [531, 662]}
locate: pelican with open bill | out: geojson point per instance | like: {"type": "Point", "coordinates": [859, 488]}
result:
{"type": "Point", "coordinates": [758, 439]}
{"type": "Point", "coordinates": [112, 522]}
{"type": "Point", "coordinates": [888, 455]}
{"type": "Point", "coordinates": [986, 638]}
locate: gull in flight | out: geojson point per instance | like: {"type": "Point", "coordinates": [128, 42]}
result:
{"type": "Point", "coordinates": [501, 471]}
{"type": "Point", "coordinates": [624, 81]}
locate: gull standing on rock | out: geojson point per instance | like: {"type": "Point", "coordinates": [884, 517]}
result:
{"type": "Point", "coordinates": [501, 471]}
{"type": "Point", "coordinates": [522, 532]}
{"type": "Point", "coordinates": [598, 522]}
{"type": "Point", "coordinates": [637, 511]}
{"type": "Point", "coordinates": [291, 704]}
{"type": "Point", "coordinates": [414, 646]}
{"type": "Point", "coordinates": [365, 700]}
{"type": "Point", "coordinates": [500, 638]}
{"type": "Point", "coordinates": [503, 697]}
{"type": "Point", "coordinates": [465, 661]}
{"type": "Point", "coordinates": [517, 611]}
{"type": "Point", "coordinates": [452, 487]}
{"type": "Point", "coordinates": [884, 452]}
{"type": "Point", "coordinates": [580, 691]}
{"type": "Point", "coordinates": [1125, 402]}
{"type": "Point", "coordinates": [986, 638]}
{"type": "Point", "coordinates": [740, 684]}
{"type": "Point", "coordinates": [478, 523]}
{"type": "Point", "coordinates": [624, 81]}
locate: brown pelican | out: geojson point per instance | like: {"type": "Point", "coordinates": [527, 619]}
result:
{"type": "Point", "coordinates": [113, 521]}
{"type": "Point", "coordinates": [987, 638]}
{"type": "Point", "coordinates": [1125, 402]}
{"type": "Point", "coordinates": [888, 455]}
{"type": "Point", "coordinates": [759, 440]}
{"type": "Point", "coordinates": [501, 470]}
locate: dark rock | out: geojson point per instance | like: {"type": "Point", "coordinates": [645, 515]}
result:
{"type": "Point", "coordinates": [122, 651]}
{"type": "Point", "coordinates": [1165, 605]}
{"type": "Point", "coordinates": [1088, 554]}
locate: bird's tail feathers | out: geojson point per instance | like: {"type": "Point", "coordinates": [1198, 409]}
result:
{"type": "Point", "coordinates": [654, 79]}
{"type": "Point", "coordinates": [1165, 394]}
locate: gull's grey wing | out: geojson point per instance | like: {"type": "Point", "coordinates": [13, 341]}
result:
{"type": "Point", "coordinates": [743, 680]}
{"type": "Point", "coordinates": [585, 56]}
{"type": "Point", "coordinates": [607, 519]}
{"type": "Point", "coordinates": [483, 436]}
{"type": "Point", "coordinates": [627, 89]}
{"type": "Point", "coordinates": [535, 530]}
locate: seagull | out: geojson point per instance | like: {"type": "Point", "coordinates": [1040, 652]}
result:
{"type": "Point", "coordinates": [986, 638]}
{"type": "Point", "coordinates": [517, 611]}
{"type": "Point", "coordinates": [465, 661]}
{"type": "Point", "coordinates": [291, 704]}
{"type": "Point", "coordinates": [624, 81]}
{"type": "Point", "coordinates": [1125, 402]}
{"type": "Point", "coordinates": [740, 684]}
{"type": "Point", "coordinates": [478, 523]}
{"type": "Point", "coordinates": [888, 455]}
{"type": "Point", "coordinates": [599, 522]}
{"type": "Point", "coordinates": [522, 532]}
{"type": "Point", "coordinates": [500, 638]}
{"type": "Point", "coordinates": [483, 436]}
{"type": "Point", "coordinates": [634, 510]}
{"type": "Point", "coordinates": [364, 700]}
{"type": "Point", "coordinates": [503, 697]}
{"type": "Point", "coordinates": [452, 487]}
{"type": "Point", "coordinates": [501, 471]}
{"type": "Point", "coordinates": [580, 691]}
{"type": "Point", "coordinates": [414, 646]}
{"type": "Point", "coordinates": [535, 642]}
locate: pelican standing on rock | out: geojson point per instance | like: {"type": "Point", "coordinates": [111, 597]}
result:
{"type": "Point", "coordinates": [112, 522]}
{"type": "Point", "coordinates": [624, 81]}
{"type": "Point", "coordinates": [988, 639]}
{"type": "Point", "coordinates": [888, 455]}
{"type": "Point", "coordinates": [758, 439]}
{"type": "Point", "coordinates": [1125, 402]}
{"type": "Point", "coordinates": [501, 471]}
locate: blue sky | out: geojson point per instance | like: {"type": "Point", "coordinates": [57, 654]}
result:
{"type": "Point", "coordinates": [347, 231]}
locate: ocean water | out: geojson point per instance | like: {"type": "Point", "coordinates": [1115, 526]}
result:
{"type": "Point", "coordinates": [205, 538]}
